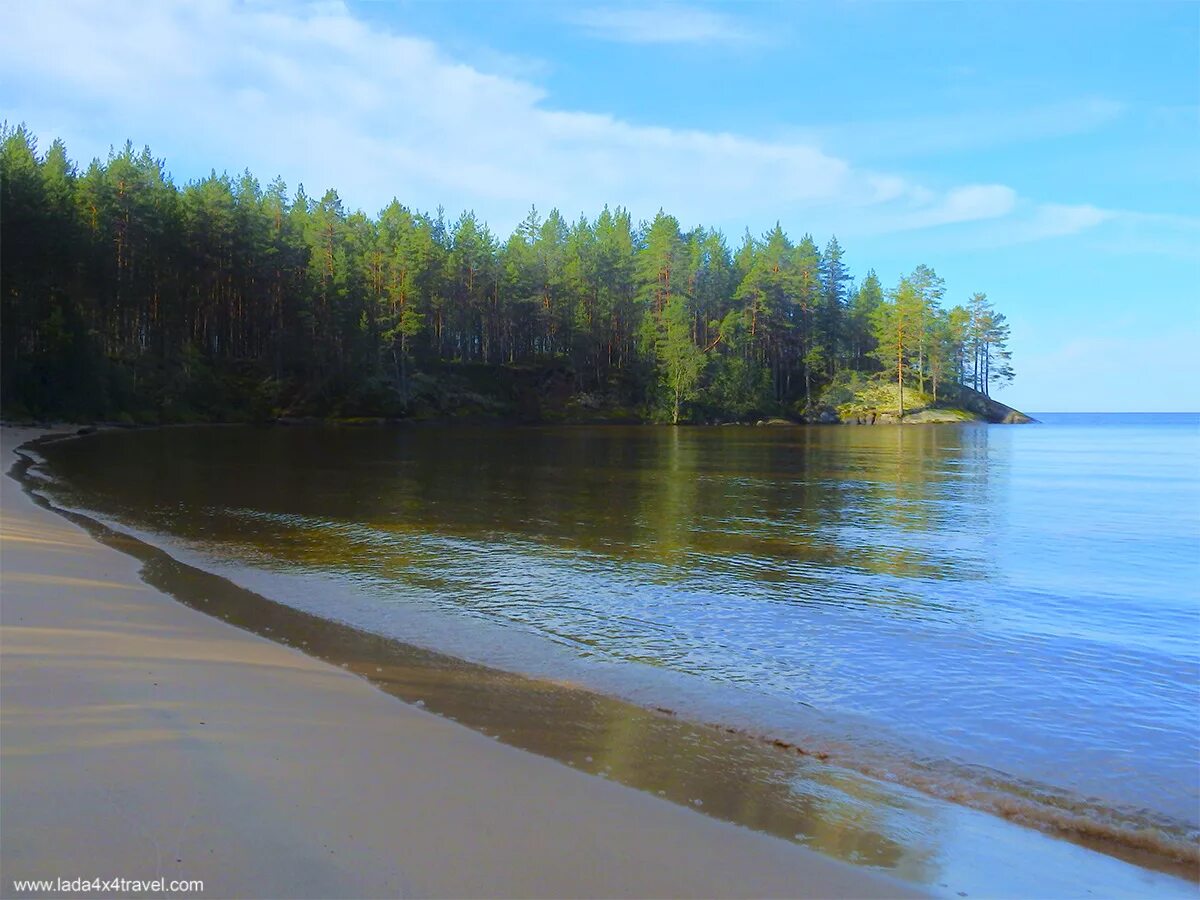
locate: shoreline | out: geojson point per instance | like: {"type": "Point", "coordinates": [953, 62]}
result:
{"type": "Point", "coordinates": [143, 738]}
{"type": "Point", "coordinates": [973, 408]}
{"type": "Point", "coordinates": [401, 677]}
{"type": "Point", "coordinates": [927, 416]}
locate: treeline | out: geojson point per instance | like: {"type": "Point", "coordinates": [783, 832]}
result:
{"type": "Point", "coordinates": [125, 295]}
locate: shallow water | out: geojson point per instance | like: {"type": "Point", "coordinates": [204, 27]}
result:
{"type": "Point", "coordinates": [1003, 616]}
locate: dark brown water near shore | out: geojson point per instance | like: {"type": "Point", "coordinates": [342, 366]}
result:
{"type": "Point", "coordinates": [790, 791]}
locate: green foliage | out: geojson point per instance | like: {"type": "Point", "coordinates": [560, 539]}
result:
{"type": "Point", "coordinates": [740, 388]}
{"type": "Point", "coordinates": [881, 398]}
{"type": "Point", "coordinates": [846, 387]}
{"type": "Point", "coordinates": [680, 360]}
{"type": "Point", "coordinates": [126, 296]}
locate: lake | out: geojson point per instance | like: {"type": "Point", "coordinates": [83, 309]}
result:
{"type": "Point", "coordinates": [1001, 618]}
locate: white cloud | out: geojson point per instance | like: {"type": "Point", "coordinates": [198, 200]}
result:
{"type": "Point", "coordinates": [972, 129]}
{"type": "Point", "coordinates": [1118, 231]}
{"type": "Point", "coordinates": [965, 204]}
{"type": "Point", "coordinates": [1057, 220]}
{"type": "Point", "coordinates": [667, 24]}
{"type": "Point", "coordinates": [322, 97]}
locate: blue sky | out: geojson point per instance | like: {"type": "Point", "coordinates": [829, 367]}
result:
{"type": "Point", "coordinates": [1046, 153]}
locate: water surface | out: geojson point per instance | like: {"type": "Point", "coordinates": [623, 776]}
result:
{"type": "Point", "coordinates": [1002, 616]}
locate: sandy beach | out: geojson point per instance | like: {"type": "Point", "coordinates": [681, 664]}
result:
{"type": "Point", "coordinates": [142, 739]}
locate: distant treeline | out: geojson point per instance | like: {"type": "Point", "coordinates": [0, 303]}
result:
{"type": "Point", "coordinates": [127, 296]}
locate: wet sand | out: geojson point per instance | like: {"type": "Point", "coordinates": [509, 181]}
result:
{"type": "Point", "coordinates": [141, 738]}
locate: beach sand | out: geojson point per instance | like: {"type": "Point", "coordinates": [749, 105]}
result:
{"type": "Point", "coordinates": [141, 739]}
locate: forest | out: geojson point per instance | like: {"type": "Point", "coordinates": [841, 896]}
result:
{"type": "Point", "coordinates": [128, 298]}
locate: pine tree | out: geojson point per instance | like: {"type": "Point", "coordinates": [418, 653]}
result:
{"type": "Point", "coordinates": [835, 279]}
{"type": "Point", "coordinates": [897, 324]}
{"type": "Point", "coordinates": [126, 294]}
{"type": "Point", "coordinates": [865, 301]}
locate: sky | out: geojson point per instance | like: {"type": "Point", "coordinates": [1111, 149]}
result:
{"type": "Point", "coordinates": [1047, 154]}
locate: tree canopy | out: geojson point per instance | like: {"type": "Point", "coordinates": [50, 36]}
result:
{"type": "Point", "coordinates": [125, 295]}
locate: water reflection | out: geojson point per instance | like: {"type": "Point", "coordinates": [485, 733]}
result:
{"type": "Point", "coordinates": [664, 495]}
{"type": "Point", "coordinates": [950, 586]}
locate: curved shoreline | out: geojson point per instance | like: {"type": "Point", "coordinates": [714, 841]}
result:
{"type": "Point", "coordinates": [144, 737]}
{"type": "Point", "coordinates": [400, 676]}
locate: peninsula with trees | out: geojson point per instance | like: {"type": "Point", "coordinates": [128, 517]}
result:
{"type": "Point", "coordinates": [128, 298]}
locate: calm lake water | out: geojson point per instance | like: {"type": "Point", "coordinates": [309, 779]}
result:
{"type": "Point", "coordinates": [1004, 616]}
